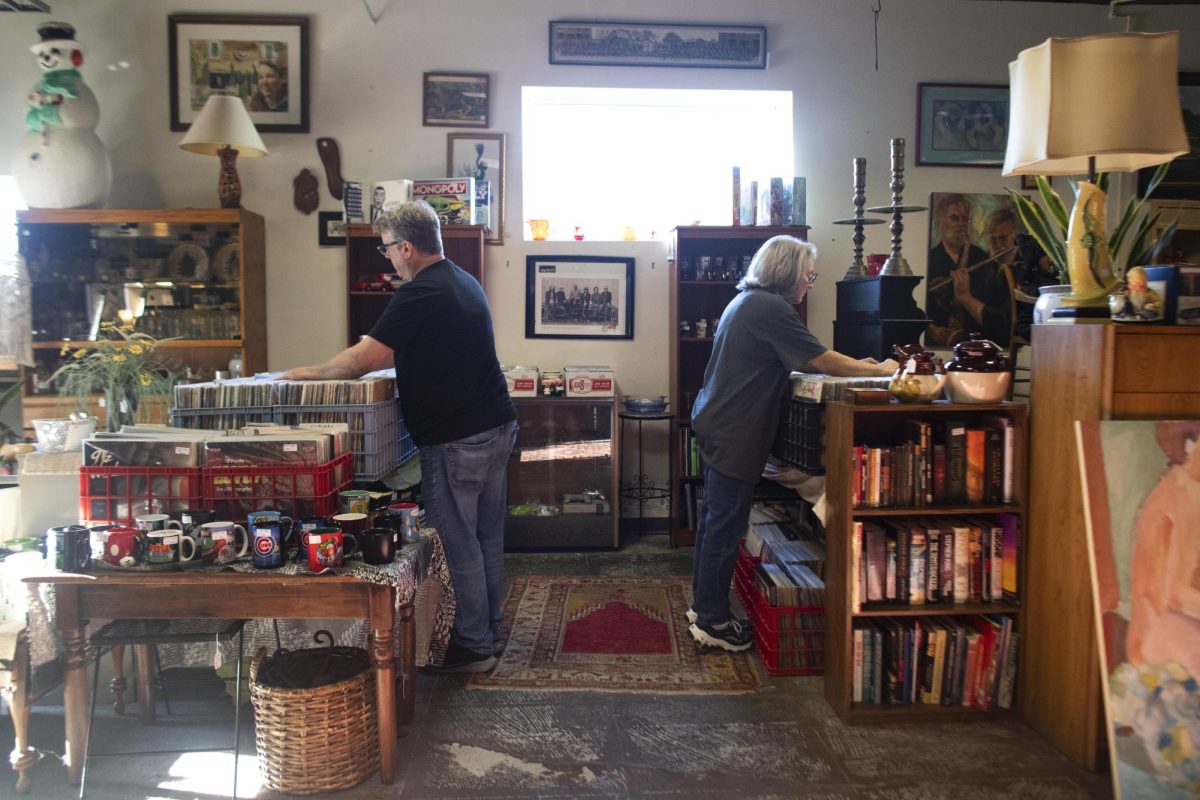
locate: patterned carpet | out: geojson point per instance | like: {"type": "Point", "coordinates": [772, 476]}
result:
{"type": "Point", "coordinates": [610, 634]}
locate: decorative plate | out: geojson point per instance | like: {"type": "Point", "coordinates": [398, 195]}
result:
{"type": "Point", "coordinates": [225, 263]}
{"type": "Point", "coordinates": [188, 262]}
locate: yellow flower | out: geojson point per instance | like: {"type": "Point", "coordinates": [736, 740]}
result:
{"type": "Point", "coordinates": [136, 348]}
{"type": "Point", "coordinates": [145, 379]}
{"type": "Point", "coordinates": [79, 354]}
{"type": "Point", "coordinates": [118, 357]}
{"type": "Point", "coordinates": [66, 348]}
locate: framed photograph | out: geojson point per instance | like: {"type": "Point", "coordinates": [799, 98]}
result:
{"type": "Point", "coordinates": [455, 100]}
{"type": "Point", "coordinates": [1029, 183]}
{"type": "Point", "coordinates": [1188, 308]}
{"type": "Point", "coordinates": [961, 124]}
{"type": "Point", "coordinates": [331, 228]}
{"type": "Point", "coordinates": [976, 233]}
{"type": "Point", "coordinates": [658, 44]}
{"type": "Point", "coordinates": [1182, 181]}
{"type": "Point", "coordinates": [578, 297]}
{"type": "Point", "coordinates": [481, 156]}
{"type": "Point", "coordinates": [261, 59]}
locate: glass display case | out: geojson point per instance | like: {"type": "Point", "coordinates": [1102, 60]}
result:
{"type": "Point", "coordinates": [562, 476]}
{"type": "Point", "coordinates": [195, 276]}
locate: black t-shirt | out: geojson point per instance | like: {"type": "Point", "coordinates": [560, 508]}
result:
{"type": "Point", "coordinates": [447, 374]}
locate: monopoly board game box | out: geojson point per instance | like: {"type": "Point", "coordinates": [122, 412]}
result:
{"type": "Point", "coordinates": [452, 198]}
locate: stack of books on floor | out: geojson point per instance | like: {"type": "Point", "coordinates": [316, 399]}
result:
{"type": "Point", "coordinates": [968, 661]}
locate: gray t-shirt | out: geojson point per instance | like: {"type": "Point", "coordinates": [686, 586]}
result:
{"type": "Point", "coordinates": [760, 340]}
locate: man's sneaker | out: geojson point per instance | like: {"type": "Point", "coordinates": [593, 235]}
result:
{"type": "Point", "coordinates": [692, 616]}
{"type": "Point", "coordinates": [731, 635]}
{"type": "Point", "coordinates": [498, 647]}
{"type": "Point", "coordinates": [460, 659]}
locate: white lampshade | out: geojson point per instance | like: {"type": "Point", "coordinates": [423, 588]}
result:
{"type": "Point", "coordinates": [1114, 97]}
{"type": "Point", "coordinates": [224, 122]}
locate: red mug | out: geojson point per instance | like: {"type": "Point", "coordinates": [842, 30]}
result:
{"type": "Point", "coordinates": [124, 546]}
{"type": "Point", "coordinates": [327, 549]}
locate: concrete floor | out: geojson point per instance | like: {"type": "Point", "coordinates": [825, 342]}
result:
{"type": "Point", "coordinates": [779, 742]}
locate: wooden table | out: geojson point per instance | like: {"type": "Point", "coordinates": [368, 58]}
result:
{"type": "Point", "coordinates": [232, 595]}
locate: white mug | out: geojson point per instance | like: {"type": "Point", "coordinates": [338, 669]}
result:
{"type": "Point", "coordinates": [221, 542]}
{"type": "Point", "coordinates": [156, 522]}
{"type": "Point", "coordinates": [169, 547]}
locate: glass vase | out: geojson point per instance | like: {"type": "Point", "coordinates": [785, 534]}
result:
{"type": "Point", "coordinates": [118, 407]}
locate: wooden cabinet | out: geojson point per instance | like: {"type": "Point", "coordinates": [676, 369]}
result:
{"type": "Point", "coordinates": [368, 288]}
{"type": "Point", "coordinates": [1083, 372]}
{"type": "Point", "coordinates": [200, 274]}
{"type": "Point", "coordinates": [706, 262]}
{"type": "Point", "coordinates": [848, 426]}
{"type": "Point", "coordinates": [562, 476]}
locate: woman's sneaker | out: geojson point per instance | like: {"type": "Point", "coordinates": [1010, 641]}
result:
{"type": "Point", "coordinates": [692, 616]}
{"type": "Point", "coordinates": [460, 659]}
{"type": "Point", "coordinates": [731, 635]}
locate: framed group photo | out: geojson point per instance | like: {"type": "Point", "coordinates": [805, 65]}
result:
{"type": "Point", "coordinates": [481, 156]}
{"type": "Point", "coordinates": [260, 58]}
{"type": "Point", "coordinates": [454, 100]}
{"type": "Point", "coordinates": [961, 124]}
{"type": "Point", "coordinates": [578, 297]}
{"type": "Point", "coordinates": [659, 44]}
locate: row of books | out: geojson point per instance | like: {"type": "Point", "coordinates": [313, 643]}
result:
{"type": "Point", "coordinates": [693, 500]}
{"type": "Point", "coordinates": [946, 464]}
{"type": "Point", "coordinates": [257, 392]}
{"type": "Point", "coordinates": [691, 464]}
{"type": "Point", "coordinates": [950, 661]}
{"type": "Point", "coordinates": [921, 561]}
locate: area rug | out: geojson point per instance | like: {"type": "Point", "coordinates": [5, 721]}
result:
{"type": "Point", "coordinates": [609, 634]}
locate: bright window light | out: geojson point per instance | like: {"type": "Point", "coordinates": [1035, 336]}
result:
{"type": "Point", "coordinates": [10, 204]}
{"type": "Point", "coordinates": [607, 160]}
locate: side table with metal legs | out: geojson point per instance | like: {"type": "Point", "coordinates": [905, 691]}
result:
{"type": "Point", "coordinates": [640, 488]}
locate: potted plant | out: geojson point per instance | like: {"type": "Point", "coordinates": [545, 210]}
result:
{"type": "Point", "coordinates": [1132, 241]}
{"type": "Point", "coordinates": [122, 367]}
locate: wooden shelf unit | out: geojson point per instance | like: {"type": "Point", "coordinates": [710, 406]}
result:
{"type": "Point", "coordinates": [845, 425]}
{"type": "Point", "coordinates": [1083, 372]}
{"type": "Point", "coordinates": [66, 248]}
{"type": "Point", "coordinates": [691, 300]}
{"type": "Point", "coordinates": [462, 244]}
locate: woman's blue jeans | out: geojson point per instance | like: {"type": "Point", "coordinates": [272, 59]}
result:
{"type": "Point", "coordinates": [464, 485]}
{"type": "Point", "coordinates": [724, 516]}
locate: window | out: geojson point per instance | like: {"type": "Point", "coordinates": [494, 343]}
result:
{"type": "Point", "coordinates": [647, 159]}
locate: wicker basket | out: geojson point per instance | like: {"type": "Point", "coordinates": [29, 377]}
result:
{"type": "Point", "coordinates": [315, 718]}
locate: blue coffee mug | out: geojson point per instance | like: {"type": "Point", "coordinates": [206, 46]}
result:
{"type": "Point", "coordinates": [267, 540]}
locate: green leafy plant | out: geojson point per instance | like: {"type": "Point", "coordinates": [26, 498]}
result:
{"type": "Point", "coordinates": [123, 367]}
{"type": "Point", "coordinates": [1133, 236]}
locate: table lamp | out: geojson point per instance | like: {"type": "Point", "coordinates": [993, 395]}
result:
{"type": "Point", "coordinates": [224, 129]}
{"type": "Point", "coordinates": [1107, 103]}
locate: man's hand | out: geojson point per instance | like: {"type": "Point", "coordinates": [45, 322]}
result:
{"type": "Point", "coordinates": [962, 285]}
{"type": "Point", "coordinates": [300, 374]}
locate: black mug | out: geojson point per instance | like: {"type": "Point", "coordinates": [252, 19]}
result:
{"type": "Point", "coordinates": [69, 547]}
{"type": "Point", "coordinates": [378, 545]}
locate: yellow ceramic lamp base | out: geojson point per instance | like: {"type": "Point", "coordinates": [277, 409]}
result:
{"type": "Point", "coordinates": [1088, 263]}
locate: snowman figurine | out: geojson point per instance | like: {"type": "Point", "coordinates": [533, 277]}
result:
{"type": "Point", "coordinates": [61, 162]}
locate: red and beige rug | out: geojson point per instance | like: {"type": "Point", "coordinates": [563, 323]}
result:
{"type": "Point", "coordinates": [609, 634]}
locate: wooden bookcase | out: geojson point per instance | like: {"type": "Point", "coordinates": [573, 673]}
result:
{"type": "Point", "coordinates": [846, 426]}
{"type": "Point", "coordinates": [207, 266]}
{"type": "Point", "coordinates": [365, 268]}
{"type": "Point", "coordinates": [1083, 372]}
{"type": "Point", "coordinates": [693, 298]}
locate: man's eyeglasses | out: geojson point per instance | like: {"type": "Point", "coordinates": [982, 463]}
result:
{"type": "Point", "coordinates": [383, 248]}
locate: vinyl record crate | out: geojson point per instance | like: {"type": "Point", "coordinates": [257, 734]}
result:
{"type": "Point", "coordinates": [298, 491]}
{"type": "Point", "coordinates": [378, 438]}
{"type": "Point", "coordinates": [790, 639]}
{"type": "Point", "coordinates": [115, 495]}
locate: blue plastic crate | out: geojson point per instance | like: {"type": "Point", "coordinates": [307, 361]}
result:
{"type": "Point", "coordinates": [220, 419]}
{"type": "Point", "coordinates": [376, 430]}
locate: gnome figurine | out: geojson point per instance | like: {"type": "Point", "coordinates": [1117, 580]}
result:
{"type": "Point", "coordinates": [61, 162]}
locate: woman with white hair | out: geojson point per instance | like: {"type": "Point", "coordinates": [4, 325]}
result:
{"type": "Point", "coordinates": [759, 341]}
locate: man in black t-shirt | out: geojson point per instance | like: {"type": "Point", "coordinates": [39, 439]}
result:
{"type": "Point", "coordinates": [437, 330]}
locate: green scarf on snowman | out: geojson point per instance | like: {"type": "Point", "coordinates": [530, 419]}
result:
{"type": "Point", "coordinates": [61, 82]}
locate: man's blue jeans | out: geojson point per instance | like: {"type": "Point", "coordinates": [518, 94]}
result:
{"type": "Point", "coordinates": [723, 520]}
{"type": "Point", "coordinates": [464, 485]}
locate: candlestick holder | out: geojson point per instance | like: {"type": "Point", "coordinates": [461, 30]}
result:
{"type": "Point", "coordinates": [857, 268]}
{"type": "Point", "coordinates": [896, 264]}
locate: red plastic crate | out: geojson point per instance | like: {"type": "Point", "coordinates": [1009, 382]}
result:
{"type": "Point", "coordinates": [789, 640]}
{"type": "Point", "coordinates": [115, 495]}
{"type": "Point", "coordinates": [300, 491]}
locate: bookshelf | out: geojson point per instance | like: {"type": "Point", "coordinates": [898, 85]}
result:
{"type": "Point", "coordinates": [706, 262]}
{"type": "Point", "coordinates": [848, 425]}
{"type": "Point", "coordinates": [367, 294]}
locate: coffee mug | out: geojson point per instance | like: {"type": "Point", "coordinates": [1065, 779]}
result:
{"type": "Point", "coordinates": [327, 548]}
{"type": "Point", "coordinates": [169, 547]}
{"type": "Point", "coordinates": [355, 501]}
{"type": "Point", "coordinates": [221, 542]}
{"type": "Point", "coordinates": [412, 515]}
{"type": "Point", "coordinates": [268, 538]}
{"type": "Point", "coordinates": [156, 522]}
{"type": "Point", "coordinates": [191, 520]}
{"type": "Point", "coordinates": [379, 545]}
{"type": "Point", "coordinates": [69, 547]}
{"type": "Point", "coordinates": [303, 526]}
{"type": "Point", "coordinates": [124, 546]}
{"type": "Point", "coordinates": [98, 536]}
{"type": "Point", "coordinates": [270, 515]}
{"type": "Point", "coordinates": [351, 524]}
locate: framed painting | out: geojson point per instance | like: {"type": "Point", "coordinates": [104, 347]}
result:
{"type": "Point", "coordinates": [1182, 181]}
{"type": "Point", "coordinates": [658, 44]}
{"type": "Point", "coordinates": [1141, 499]}
{"type": "Point", "coordinates": [331, 228]}
{"type": "Point", "coordinates": [961, 124]}
{"type": "Point", "coordinates": [454, 100]}
{"type": "Point", "coordinates": [578, 297]}
{"type": "Point", "coordinates": [481, 156]}
{"type": "Point", "coordinates": [261, 59]}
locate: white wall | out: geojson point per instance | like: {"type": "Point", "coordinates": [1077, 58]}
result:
{"type": "Point", "coordinates": [365, 92]}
